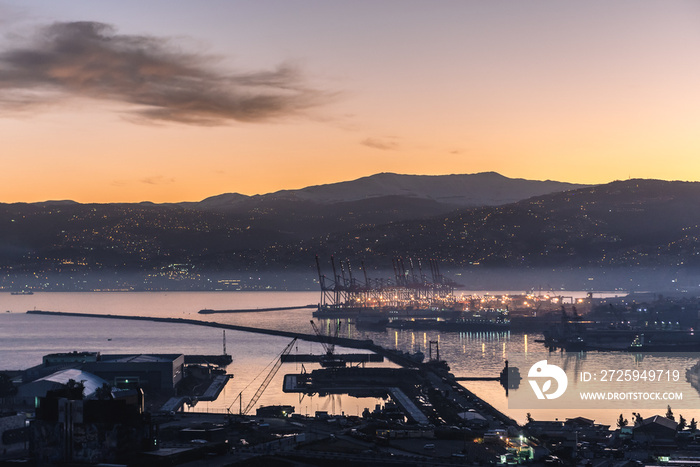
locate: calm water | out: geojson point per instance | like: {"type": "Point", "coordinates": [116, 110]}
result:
{"type": "Point", "coordinates": [24, 339]}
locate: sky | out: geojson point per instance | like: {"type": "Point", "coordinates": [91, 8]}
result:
{"type": "Point", "coordinates": [129, 101]}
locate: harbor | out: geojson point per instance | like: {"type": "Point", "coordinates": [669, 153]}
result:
{"type": "Point", "coordinates": [463, 387]}
{"type": "Point", "coordinates": [415, 299]}
{"type": "Point", "coordinates": [406, 410]}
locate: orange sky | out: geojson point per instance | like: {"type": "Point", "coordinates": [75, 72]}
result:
{"type": "Point", "coordinates": [254, 97]}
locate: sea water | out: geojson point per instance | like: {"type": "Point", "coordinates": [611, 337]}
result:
{"type": "Point", "coordinates": [25, 338]}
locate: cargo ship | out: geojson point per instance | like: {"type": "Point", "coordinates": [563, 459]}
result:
{"type": "Point", "coordinates": [574, 333]}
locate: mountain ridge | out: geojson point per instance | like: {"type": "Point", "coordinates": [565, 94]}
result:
{"type": "Point", "coordinates": [458, 190]}
{"type": "Point", "coordinates": [623, 224]}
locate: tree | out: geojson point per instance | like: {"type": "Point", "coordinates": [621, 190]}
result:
{"type": "Point", "coordinates": [681, 422]}
{"type": "Point", "coordinates": [693, 425]}
{"type": "Point", "coordinates": [104, 392]}
{"type": "Point", "coordinates": [72, 390]}
{"type": "Point", "coordinates": [622, 422]}
{"type": "Point", "coordinates": [529, 418]}
{"type": "Point", "coordinates": [669, 414]}
{"type": "Point", "coordinates": [638, 419]}
{"type": "Point", "coordinates": [6, 386]}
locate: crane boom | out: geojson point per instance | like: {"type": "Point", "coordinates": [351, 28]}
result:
{"type": "Point", "coordinates": [321, 338]}
{"type": "Point", "coordinates": [268, 378]}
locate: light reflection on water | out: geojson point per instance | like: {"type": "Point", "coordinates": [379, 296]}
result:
{"type": "Point", "coordinates": [24, 339]}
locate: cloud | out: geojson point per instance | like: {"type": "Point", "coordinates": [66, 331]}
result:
{"type": "Point", "coordinates": [157, 180]}
{"type": "Point", "coordinates": [161, 83]}
{"type": "Point", "coordinates": [383, 144]}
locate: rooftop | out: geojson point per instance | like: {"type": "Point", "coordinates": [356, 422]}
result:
{"type": "Point", "coordinates": [139, 358]}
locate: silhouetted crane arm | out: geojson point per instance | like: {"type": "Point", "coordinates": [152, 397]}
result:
{"type": "Point", "coordinates": [321, 338]}
{"type": "Point", "coordinates": [268, 378]}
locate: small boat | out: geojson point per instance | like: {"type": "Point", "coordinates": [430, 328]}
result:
{"type": "Point", "coordinates": [22, 292]}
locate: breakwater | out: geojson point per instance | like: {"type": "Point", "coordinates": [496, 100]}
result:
{"type": "Point", "coordinates": [341, 341]}
{"type": "Point", "coordinates": [394, 356]}
{"type": "Point", "coordinates": [208, 311]}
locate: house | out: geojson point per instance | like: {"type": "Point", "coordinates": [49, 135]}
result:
{"type": "Point", "coordinates": [656, 428]}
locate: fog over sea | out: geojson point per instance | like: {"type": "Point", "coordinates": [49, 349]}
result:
{"type": "Point", "coordinates": [24, 339]}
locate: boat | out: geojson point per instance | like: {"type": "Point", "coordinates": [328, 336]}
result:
{"type": "Point", "coordinates": [371, 322]}
{"type": "Point", "coordinates": [22, 292]}
{"type": "Point", "coordinates": [577, 334]}
{"type": "Point", "coordinates": [485, 320]}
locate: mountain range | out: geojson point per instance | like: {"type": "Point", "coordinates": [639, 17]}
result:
{"type": "Point", "coordinates": [453, 191]}
{"type": "Point", "coordinates": [463, 221]}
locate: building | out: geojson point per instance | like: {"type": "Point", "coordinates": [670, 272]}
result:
{"type": "Point", "coordinates": [656, 428]}
{"type": "Point", "coordinates": [157, 372]}
{"type": "Point", "coordinates": [13, 431]}
{"type": "Point", "coordinates": [70, 358]}
{"type": "Point", "coordinates": [28, 393]}
{"type": "Point", "coordinates": [69, 429]}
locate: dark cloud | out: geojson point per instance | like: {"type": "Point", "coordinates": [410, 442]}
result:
{"type": "Point", "coordinates": [383, 144]}
{"type": "Point", "coordinates": [88, 59]}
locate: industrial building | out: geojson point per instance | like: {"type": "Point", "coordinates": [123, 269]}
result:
{"type": "Point", "coordinates": [155, 372]}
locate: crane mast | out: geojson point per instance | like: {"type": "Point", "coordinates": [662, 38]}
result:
{"type": "Point", "coordinates": [268, 378]}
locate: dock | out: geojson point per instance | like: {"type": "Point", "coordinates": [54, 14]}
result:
{"type": "Point", "coordinates": [346, 357]}
{"type": "Point", "coordinates": [218, 360]}
{"type": "Point", "coordinates": [215, 388]}
{"type": "Point", "coordinates": [407, 405]}
{"type": "Point", "coordinates": [174, 404]}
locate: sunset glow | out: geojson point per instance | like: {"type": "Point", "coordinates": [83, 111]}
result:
{"type": "Point", "coordinates": [126, 102]}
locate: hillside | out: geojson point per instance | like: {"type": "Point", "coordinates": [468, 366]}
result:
{"type": "Point", "coordinates": [625, 224]}
{"type": "Point", "coordinates": [629, 223]}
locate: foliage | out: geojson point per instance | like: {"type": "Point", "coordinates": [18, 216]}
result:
{"type": "Point", "coordinates": [669, 414]}
{"type": "Point", "coordinates": [104, 392]}
{"type": "Point", "coordinates": [638, 419]}
{"type": "Point", "coordinates": [6, 386]}
{"type": "Point", "coordinates": [622, 422]}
